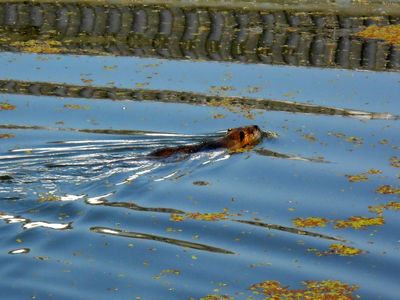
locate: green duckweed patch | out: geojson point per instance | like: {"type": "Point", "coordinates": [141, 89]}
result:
{"type": "Point", "coordinates": [48, 198]}
{"type": "Point", "coordinates": [216, 297]}
{"type": "Point", "coordinates": [357, 222]}
{"type": "Point", "coordinates": [387, 189]}
{"type": "Point", "coordinates": [338, 249]}
{"type": "Point", "coordinates": [379, 209]}
{"type": "Point", "coordinates": [316, 290]}
{"type": "Point", "coordinates": [395, 162]}
{"type": "Point", "coordinates": [363, 176]}
{"type": "Point", "coordinates": [355, 140]}
{"type": "Point", "coordinates": [218, 216]}
{"type": "Point", "coordinates": [310, 222]}
{"type": "Point", "coordinates": [357, 178]}
{"type": "Point", "coordinates": [343, 250]}
{"type": "Point", "coordinates": [76, 107]}
{"type": "Point", "coordinates": [6, 106]}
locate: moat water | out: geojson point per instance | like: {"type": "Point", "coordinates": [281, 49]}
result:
{"type": "Point", "coordinates": [85, 214]}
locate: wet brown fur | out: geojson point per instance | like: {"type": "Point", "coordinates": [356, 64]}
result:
{"type": "Point", "coordinates": [235, 139]}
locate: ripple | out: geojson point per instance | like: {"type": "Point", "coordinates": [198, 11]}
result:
{"type": "Point", "coordinates": [29, 224]}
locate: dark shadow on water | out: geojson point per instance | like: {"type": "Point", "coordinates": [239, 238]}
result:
{"type": "Point", "coordinates": [6, 178]}
{"type": "Point", "coordinates": [134, 206]}
{"type": "Point", "coordinates": [151, 237]}
{"type": "Point", "coordinates": [291, 230]}
{"type": "Point", "coordinates": [270, 153]}
{"type": "Point", "coordinates": [96, 131]}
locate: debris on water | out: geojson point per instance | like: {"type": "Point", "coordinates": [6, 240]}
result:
{"type": "Point", "coordinates": [395, 162]}
{"type": "Point", "coordinates": [354, 140]}
{"type": "Point", "coordinates": [48, 197]}
{"type": "Point", "coordinates": [356, 222]}
{"type": "Point", "coordinates": [201, 183]}
{"type": "Point", "coordinates": [378, 209]}
{"type": "Point", "coordinates": [374, 171]}
{"type": "Point", "coordinates": [215, 297]}
{"type": "Point", "coordinates": [357, 178]}
{"type": "Point", "coordinates": [218, 116]}
{"type": "Point", "coordinates": [387, 189]}
{"type": "Point", "coordinates": [338, 249]}
{"type": "Point", "coordinates": [310, 137]}
{"type": "Point", "coordinates": [202, 216]}
{"type": "Point", "coordinates": [6, 106]}
{"type": "Point", "coordinates": [326, 289]}
{"type": "Point", "coordinates": [310, 222]}
{"type": "Point", "coordinates": [344, 250]}
{"type": "Point", "coordinates": [76, 106]}
{"type": "Point", "coordinates": [363, 176]}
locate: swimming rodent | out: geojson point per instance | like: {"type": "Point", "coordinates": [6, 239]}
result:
{"type": "Point", "coordinates": [235, 139]}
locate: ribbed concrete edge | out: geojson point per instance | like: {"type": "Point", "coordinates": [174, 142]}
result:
{"type": "Point", "coordinates": [351, 7]}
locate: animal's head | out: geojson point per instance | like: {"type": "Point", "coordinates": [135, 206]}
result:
{"type": "Point", "coordinates": [243, 137]}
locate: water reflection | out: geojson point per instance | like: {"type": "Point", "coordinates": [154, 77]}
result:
{"type": "Point", "coordinates": [279, 35]}
{"type": "Point", "coordinates": [152, 237]}
{"type": "Point", "coordinates": [29, 224]}
{"type": "Point", "coordinates": [97, 131]}
{"type": "Point", "coordinates": [170, 96]}
{"type": "Point", "coordinates": [20, 251]}
{"type": "Point", "coordinates": [131, 205]}
{"type": "Point", "coordinates": [101, 180]}
{"type": "Point", "coordinates": [290, 230]}
{"type": "Point", "coordinates": [270, 153]}
{"type": "Point", "coordinates": [176, 214]}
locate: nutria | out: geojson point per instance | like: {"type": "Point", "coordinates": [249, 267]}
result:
{"type": "Point", "coordinates": [235, 139]}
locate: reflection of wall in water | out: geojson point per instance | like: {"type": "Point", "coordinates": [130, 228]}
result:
{"type": "Point", "coordinates": [279, 37]}
{"type": "Point", "coordinates": [170, 96]}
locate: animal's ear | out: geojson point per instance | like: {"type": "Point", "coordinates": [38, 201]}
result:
{"type": "Point", "coordinates": [241, 134]}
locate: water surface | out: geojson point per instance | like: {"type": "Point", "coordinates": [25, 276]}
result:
{"type": "Point", "coordinates": [85, 213]}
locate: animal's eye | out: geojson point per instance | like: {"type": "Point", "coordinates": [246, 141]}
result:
{"type": "Point", "coordinates": [241, 136]}
{"type": "Point", "coordinates": [230, 129]}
